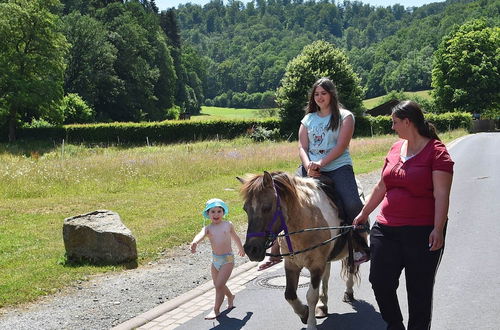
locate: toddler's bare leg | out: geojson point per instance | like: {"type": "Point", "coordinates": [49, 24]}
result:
{"type": "Point", "coordinates": [230, 296]}
{"type": "Point", "coordinates": [220, 278]}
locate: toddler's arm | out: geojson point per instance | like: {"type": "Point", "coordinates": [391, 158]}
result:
{"type": "Point", "coordinates": [199, 237]}
{"type": "Point", "coordinates": [237, 240]}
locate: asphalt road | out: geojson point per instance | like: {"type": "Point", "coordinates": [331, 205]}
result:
{"type": "Point", "coordinates": [467, 290]}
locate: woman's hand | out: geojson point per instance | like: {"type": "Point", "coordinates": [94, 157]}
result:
{"type": "Point", "coordinates": [360, 219]}
{"type": "Point", "coordinates": [436, 239]}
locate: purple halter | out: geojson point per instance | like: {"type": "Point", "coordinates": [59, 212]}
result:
{"type": "Point", "coordinates": [283, 227]}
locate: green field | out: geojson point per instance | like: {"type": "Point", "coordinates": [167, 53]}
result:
{"type": "Point", "coordinates": [215, 113]}
{"type": "Point", "coordinates": [371, 103]}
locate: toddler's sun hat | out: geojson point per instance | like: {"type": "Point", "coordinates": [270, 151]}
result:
{"type": "Point", "coordinates": [214, 202]}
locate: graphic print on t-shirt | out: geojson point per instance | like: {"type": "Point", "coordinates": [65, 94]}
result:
{"type": "Point", "coordinates": [318, 134]}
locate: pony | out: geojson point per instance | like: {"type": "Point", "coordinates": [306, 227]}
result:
{"type": "Point", "coordinates": [302, 204]}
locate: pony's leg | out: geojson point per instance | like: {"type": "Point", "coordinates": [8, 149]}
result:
{"type": "Point", "coordinates": [292, 281]}
{"type": "Point", "coordinates": [349, 285]}
{"type": "Point", "coordinates": [313, 296]}
{"type": "Point", "coordinates": [322, 307]}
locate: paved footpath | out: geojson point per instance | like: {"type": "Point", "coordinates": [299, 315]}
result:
{"type": "Point", "coordinates": [260, 304]}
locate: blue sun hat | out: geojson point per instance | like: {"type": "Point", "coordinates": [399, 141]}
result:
{"type": "Point", "coordinates": [214, 202]}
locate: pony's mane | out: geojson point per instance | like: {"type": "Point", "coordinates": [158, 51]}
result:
{"type": "Point", "coordinates": [291, 188]}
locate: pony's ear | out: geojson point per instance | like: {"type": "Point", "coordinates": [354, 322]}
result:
{"type": "Point", "coordinates": [241, 179]}
{"type": "Point", "coordinates": [268, 179]}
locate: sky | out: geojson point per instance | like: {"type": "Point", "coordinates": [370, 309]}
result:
{"type": "Point", "coordinates": [165, 4]}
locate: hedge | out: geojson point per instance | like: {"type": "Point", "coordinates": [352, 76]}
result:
{"type": "Point", "coordinates": [186, 131]}
{"type": "Point", "coordinates": [154, 132]}
{"type": "Point", "coordinates": [368, 125]}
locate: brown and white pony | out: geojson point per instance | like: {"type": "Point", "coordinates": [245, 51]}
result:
{"type": "Point", "coordinates": [303, 204]}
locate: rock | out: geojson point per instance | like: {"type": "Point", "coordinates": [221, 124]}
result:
{"type": "Point", "coordinates": [98, 237]}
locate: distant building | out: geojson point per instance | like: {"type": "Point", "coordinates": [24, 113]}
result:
{"type": "Point", "coordinates": [385, 109]}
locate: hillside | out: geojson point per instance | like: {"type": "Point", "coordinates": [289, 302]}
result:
{"type": "Point", "coordinates": [246, 47]}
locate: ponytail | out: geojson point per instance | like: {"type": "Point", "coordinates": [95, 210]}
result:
{"type": "Point", "coordinates": [412, 111]}
{"type": "Point", "coordinates": [430, 131]}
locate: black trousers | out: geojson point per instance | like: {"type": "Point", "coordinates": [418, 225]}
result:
{"type": "Point", "coordinates": [392, 250]}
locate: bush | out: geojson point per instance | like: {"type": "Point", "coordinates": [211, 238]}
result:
{"type": "Point", "coordinates": [173, 113]}
{"type": "Point", "coordinates": [491, 114]}
{"type": "Point", "coordinates": [75, 110]}
{"type": "Point", "coordinates": [260, 134]}
{"type": "Point", "coordinates": [38, 123]}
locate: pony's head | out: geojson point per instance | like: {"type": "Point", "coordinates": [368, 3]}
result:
{"type": "Point", "coordinates": [260, 195]}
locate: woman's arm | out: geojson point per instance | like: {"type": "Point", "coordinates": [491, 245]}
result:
{"type": "Point", "coordinates": [345, 135]}
{"type": "Point", "coordinates": [442, 186]}
{"type": "Point", "coordinates": [376, 196]}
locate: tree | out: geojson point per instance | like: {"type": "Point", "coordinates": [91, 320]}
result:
{"type": "Point", "coordinates": [412, 73]}
{"type": "Point", "coordinates": [465, 74]}
{"type": "Point", "coordinates": [90, 72]}
{"type": "Point", "coordinates": [319, 59]}
{"type": "Point", "coordinates": [32, 50]}
{"type": "Point", "coordinates": [169, 25]}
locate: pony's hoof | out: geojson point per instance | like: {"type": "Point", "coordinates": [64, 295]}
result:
{"type": "Point", "coordinates": [348, 297]}
{"type": "Point", "coordinates": [305, 316]}
{"type": "Point", "coordinates": [321, 312]}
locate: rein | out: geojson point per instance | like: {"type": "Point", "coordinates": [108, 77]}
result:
{"type": "Point", "coordinates": [312, 247]}
{"type": "Point", "coordinates": [271, 237]}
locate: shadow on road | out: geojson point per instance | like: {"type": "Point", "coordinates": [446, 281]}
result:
{"type": "Point", "coordinates": [226, 322]}
{"type": "Point", "coordinates": [365, 318]}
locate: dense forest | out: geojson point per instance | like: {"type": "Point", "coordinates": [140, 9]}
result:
{"type": "Point", "coordinates": [248, 47]}
{"type": "Point", "coordinates": [77, 61]}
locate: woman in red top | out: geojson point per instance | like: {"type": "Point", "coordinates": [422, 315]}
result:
{"type": "Point", "coordinates": [409, 232]}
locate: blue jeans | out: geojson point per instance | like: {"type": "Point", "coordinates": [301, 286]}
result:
{"type": "Point", "coordinates": [346, 188]}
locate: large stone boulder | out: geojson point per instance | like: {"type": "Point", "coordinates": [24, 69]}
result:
{"type": "Point", "coordinates": [98, 237]}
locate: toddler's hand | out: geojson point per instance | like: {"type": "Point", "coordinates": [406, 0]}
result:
{"type": "Point", "coordinates": [193, 247]}
{"type": "Point", "coordinates": [241, 253]}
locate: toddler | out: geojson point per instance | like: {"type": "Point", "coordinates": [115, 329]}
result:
{"type": "Point", "coordinates": [220, 234]}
